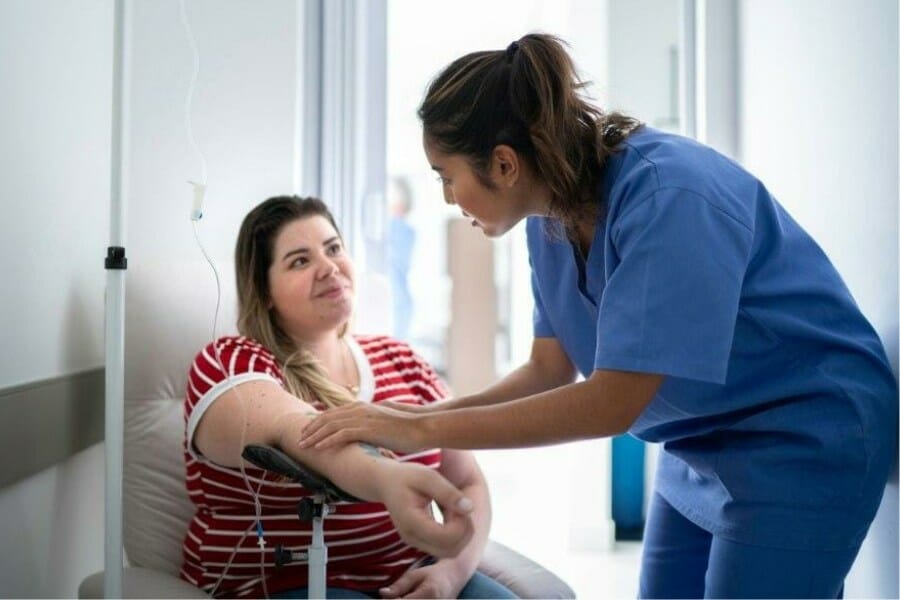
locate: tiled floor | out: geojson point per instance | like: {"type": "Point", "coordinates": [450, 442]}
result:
{"type": "Point", "coordinates": [531, 494]}
{"type": "Point", "coordinates": [611, 574]}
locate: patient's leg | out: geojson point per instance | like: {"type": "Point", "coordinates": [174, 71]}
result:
{"type": "Point", "coordinates": [303, 593]}
{"type": "Point", "coordinates": [482, 586]}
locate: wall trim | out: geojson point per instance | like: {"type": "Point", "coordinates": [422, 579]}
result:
{"type": "Point", "coordinates": [42, 423]}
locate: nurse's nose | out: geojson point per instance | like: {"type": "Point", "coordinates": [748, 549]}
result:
{"type": "Point", "coordinates": [448, 196]}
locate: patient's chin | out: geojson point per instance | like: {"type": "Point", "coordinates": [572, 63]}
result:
{"type": "Point", "coordinates": [339, 313]}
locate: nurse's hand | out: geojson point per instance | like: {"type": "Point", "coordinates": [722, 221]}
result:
{"type": "Point", "coordinates": [407, 491]}
{"type": "Point", "coordinates": [378, 425]}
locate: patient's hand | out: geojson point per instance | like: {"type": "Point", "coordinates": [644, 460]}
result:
{"type": "Point", "coordinates": [408, 490]}
{"type": "Point", "coordinates": [433, 581]}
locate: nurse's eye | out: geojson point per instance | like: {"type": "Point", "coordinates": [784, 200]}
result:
{"type": "Point", "coordinates": [443, 180]}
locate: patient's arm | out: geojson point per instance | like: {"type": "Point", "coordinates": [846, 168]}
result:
{"type": "Point", "coordinates": [270, 415]}
{"type": "Point", "coordinates": [461, 469]}
{"type": "Point", "coordinates": [448, 576]}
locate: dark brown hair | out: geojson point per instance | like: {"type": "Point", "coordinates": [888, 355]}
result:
{"type": "Point", "coordinates": [528, 97]}
{"type": "Point", "coordinates": [303, 374]}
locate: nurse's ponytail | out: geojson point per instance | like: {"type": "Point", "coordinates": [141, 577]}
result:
{"type": "Point", "coordinates": [530, 98]}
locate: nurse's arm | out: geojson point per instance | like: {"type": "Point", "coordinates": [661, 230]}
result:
{"type": "Point", "coordinates": [605, 404]}
{"type": "Point", "coordinates": [548, 367]}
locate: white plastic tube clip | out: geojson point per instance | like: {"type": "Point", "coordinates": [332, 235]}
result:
{"type": "Point", "coordinates": [199, 193]}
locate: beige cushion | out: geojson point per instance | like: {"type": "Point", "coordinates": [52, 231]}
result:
{"type": "Point", "coordinates": [526, 578]}
{"type": "Point", "coordinates": [169, 317]}
{"type": "Point", "coordinates": [142, 583]}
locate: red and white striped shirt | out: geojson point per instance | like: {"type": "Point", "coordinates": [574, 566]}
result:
{"type": "Point", "coordinates": [365, 551]}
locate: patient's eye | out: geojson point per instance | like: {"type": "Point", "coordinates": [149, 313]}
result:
{"type": "Point", "coordinates": [300, 261]}
{"type": "Point", "coordinates": [335, 249]}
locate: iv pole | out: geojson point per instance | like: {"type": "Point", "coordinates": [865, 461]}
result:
{"type": "Point", "coordinates": [116, 264]}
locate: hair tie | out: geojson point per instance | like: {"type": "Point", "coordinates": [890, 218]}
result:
{"type": "Point", "coordinates": [511, 51]}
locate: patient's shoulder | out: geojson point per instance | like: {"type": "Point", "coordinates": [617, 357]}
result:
{"type": "Point", "coordinates": [233, 355]}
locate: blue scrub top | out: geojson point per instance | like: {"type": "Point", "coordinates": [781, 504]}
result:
{"type": "Point", "coordinates": [778, 415]}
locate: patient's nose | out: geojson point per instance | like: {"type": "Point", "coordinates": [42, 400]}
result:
{"type": "Point", "coordinates": [328, 268]}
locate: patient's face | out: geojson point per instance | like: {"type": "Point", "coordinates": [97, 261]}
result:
{"type": "Point", "coordinates": [310, 279]}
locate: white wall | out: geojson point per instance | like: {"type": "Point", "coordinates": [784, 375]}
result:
{"type": "Point", "coordinates": [52, 528]}
{"type": "Point", "coordinates": [642, 34]}
{"type": "Point", "coordinates": [55, 96]}
{"type": "Point", "coordinates": [819, 125]}
{"type": "Point", "coordinates": [56, 67]}
{"type": "Point", "coordinates": [56, 74]}
{"type": "Point", "coordinates": [242, 115]}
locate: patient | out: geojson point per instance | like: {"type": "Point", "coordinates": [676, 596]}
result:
{"type": "Point", "coordinates": [295, 357]}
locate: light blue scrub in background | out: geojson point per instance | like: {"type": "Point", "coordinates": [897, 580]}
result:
{"type": "Point", "coordinates": [401, 241]}
{"type": "Point", "coordinates": [778, 415]}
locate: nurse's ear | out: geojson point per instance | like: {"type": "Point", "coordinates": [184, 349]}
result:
{"type": "Point", "coordinates": [506, 166]}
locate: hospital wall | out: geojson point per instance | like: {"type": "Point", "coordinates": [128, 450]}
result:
{"type": "Point", "coordinates": [55, 99]}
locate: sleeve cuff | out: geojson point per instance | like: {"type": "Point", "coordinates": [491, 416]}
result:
{"type": "Point", "coordinates": [209, 397]}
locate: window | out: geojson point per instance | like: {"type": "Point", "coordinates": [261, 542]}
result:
{"type": "Point", "coordinates": [569, 484]}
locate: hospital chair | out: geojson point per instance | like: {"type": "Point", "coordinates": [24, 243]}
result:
{"type": "Point", "coordinates": [169, 317]}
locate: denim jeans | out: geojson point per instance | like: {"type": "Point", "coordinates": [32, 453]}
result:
{"type": "Point", "coordinates": [478, 586]}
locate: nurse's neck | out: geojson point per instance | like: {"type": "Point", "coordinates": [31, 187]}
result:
{"type": "Point", "coordinates": [584, 234]}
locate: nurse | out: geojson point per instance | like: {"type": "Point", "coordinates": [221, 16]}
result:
{"type": "Point", "coordinates": [698, 312]}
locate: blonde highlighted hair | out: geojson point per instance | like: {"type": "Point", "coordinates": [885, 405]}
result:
{"type": "Point", "coordinates": [304, 375]}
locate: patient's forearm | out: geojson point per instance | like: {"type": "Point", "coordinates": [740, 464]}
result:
{"type": "Point", "coordinates": [467, 561]}
{"type": "Point", "coordinates": [356, 468]}
{"type": "Point", "coordinates": [405, 489]}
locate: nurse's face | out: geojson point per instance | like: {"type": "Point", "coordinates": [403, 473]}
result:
{"type": "Point", "coordinates": [496, 210]}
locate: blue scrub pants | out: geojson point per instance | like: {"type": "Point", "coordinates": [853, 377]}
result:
{"type": "Point", "coordinates": [681, 560]}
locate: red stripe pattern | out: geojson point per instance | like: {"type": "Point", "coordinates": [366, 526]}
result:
{"type": "Point", "coordinates": [221, 548]}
